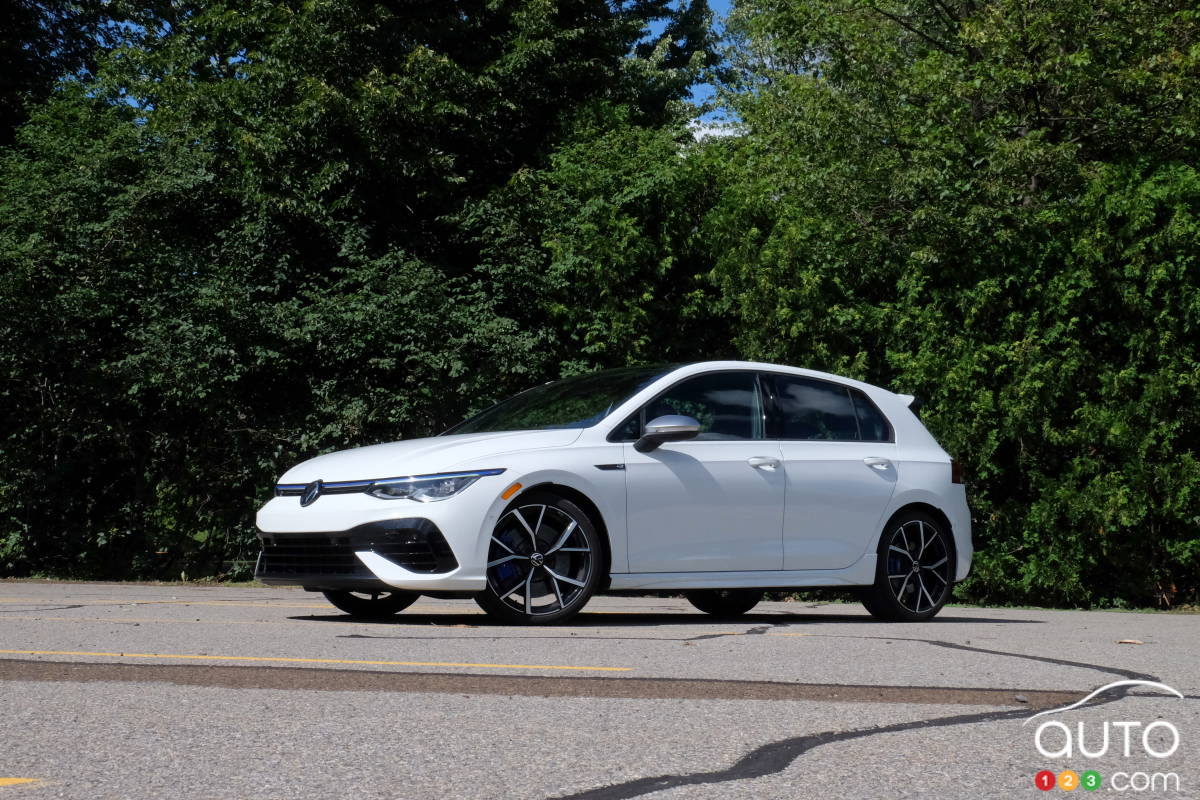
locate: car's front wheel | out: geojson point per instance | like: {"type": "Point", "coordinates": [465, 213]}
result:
{"type": "Point", "coordinates": [914, 572]}
{"type": "Point", "coordinates": [544, 561]}
{"type": "Point", "coordinates": [371, 605]}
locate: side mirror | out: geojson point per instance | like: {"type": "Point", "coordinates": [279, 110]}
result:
{"type": "Point", "coordinates": [670, 428]}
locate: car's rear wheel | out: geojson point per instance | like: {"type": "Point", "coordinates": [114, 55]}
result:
{"type": "Point", "coordinates": [914, 573]}
{"type": "Point", "coordinates": [544, 561]}
{"type": "Point", "coordinates": [371, 605]}
{"type": "Point", "coordinates": [724, 602]}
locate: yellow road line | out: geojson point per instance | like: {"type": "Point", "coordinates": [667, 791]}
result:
{"type": "Point", "coordinates": [168, 621]}
{"type": "Point", "coordinates": [156, 621]}
{"type": "Point", "coordinates": [391, 623]}
{"type": "Point", "coordinates": [24, 600]}
{"type": "Point", "coordinates": [238, 603]}
{"type": "Point", "coordinates": [420, 607]}
{"type": "Point", "coordinates": [120, 602]}
{"type": "Point", "coordinates": [281, 659]}
{"type": "Point", "coordinates": [18, 781]}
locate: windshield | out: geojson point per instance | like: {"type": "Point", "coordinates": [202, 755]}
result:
{"type": "Point", "coordinates": [578, 402]}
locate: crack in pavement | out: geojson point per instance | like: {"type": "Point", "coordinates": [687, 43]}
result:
{"type": "Point", "coordinates": [772, 758]}
{"type": "Point", "coordinates": [1060, 662]}
{"type": "Point", "coordinates": [544, 637]}
{"type": "Point", "coordinates": [36, 610]}
{"type": "Point", "coordinates": [775, 757]}
{"type": "Point", "coordinates": [755, 631]}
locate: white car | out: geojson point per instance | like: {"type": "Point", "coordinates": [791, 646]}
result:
{"type": "Point", "coordinates": [720, 480]}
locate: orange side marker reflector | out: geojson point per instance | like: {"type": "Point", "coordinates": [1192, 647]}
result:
{"type": "Point", "coordinates": [510, 491]}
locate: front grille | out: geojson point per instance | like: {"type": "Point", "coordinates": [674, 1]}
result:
{"type": "Point", "coordinates": [415, 544]}
{"type": "Point", "coordinates": [344, 487]}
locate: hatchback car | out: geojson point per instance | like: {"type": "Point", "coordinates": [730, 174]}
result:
{"type": "Point", "coordinates": [720, 480]}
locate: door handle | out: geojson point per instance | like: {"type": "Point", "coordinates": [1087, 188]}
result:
{"type": "Point", "coordinates": [763, 462]}
{"type": "Point", "coordinates": [875, 462]}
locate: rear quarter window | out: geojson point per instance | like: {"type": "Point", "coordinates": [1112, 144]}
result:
{"type": "Point", "coordinates": [872, 424]}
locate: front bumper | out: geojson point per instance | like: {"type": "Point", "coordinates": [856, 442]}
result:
{"type": "Point", "coordinates": [358, 542]}
{"type": "Point", "coordinates": [331, 560]}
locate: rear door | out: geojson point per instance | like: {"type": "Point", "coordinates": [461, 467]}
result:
{"type": "Point", "coordinates": [839, 457]}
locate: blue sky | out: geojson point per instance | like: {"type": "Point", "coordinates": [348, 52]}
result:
{"type": "Point", "coordinates": [703, 92]}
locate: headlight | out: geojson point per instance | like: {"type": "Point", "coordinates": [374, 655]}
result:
{"type": "Point", "coordinates": [427, 488]}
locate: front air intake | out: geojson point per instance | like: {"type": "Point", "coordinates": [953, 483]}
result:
{"type": "Point", "coordinates": [415, 544]}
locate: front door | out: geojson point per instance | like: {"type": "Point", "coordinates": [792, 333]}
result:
{"type": "Point", "coordinates": [713, 503]}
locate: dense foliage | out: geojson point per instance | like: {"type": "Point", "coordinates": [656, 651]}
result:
{"type": "Point", "coordinates": [996, 207]}
{"type": "Point", "coordinates": [238, 234]}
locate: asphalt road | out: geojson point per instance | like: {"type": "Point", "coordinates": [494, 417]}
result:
{"type": "Point", "coordinates": [130, 691]}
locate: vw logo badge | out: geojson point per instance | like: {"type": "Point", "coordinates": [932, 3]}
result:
{"type": "Point", "coordinates": [311, 493]}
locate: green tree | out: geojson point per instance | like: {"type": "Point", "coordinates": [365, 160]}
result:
{"type": "Point", "coordinates": [611, 228]}
{"type": "Point", "coordinates": [993, 206]}
{"type": "Point", "coordinates": [45, 41]}
{"type": "Point", "coordinates": [250, 237]}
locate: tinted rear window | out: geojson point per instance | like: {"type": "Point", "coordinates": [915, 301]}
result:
{"type": "Point", "coordinates": [813, 409]}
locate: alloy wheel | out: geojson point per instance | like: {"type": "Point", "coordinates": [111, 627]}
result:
{"type": "Point", "coordinates": [918, 566]}
{"type": "Point", "coordinates": [540, 561]}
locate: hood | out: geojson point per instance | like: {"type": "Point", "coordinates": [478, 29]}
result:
{"type": "Point", "coordinates": [425, 456]}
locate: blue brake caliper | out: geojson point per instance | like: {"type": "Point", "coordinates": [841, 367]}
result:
{"type": "Point", "coordinates": [508, 571]}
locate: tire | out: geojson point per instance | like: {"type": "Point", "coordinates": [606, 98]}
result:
{"type": "Point", "coordinates": [544, 561]}
{"type": "Point", "coordinates": [724, 602]}
{"type": "Point", "coordinates": [914, 573]}
{"type": "Point", "coordinates": [371, 605]}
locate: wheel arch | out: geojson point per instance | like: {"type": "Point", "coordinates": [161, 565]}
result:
{"type": "Point", "coordinates": [924, 508]}
{"type": "Point", "coordinates": [591, 509]}
{"type": "Point", "coordinates": [882, 599]}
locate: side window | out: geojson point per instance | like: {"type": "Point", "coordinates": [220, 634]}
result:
{"type": "Point", "coordinates": [629, 431]}
{"type": "Point", "coordinates": [870, 421]}
{"type": "Point", "coordinates": [813, 409]}
{"type": "Point", "coordinates": [726, 404]}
